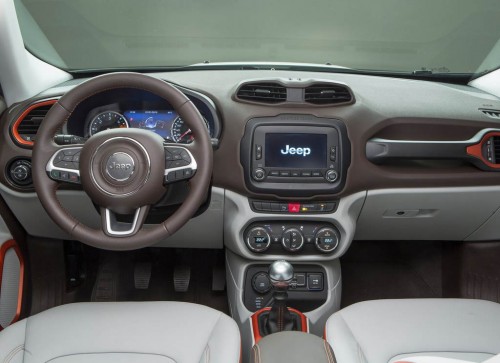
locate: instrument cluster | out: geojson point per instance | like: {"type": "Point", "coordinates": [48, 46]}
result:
{"type": "Point", "coordinates": [166, 123]}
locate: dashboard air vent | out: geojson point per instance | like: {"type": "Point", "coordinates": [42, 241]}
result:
{"type": "Point", "coordinates": [26, 126]}
{"type": "Point", "coordinates": [262, 92]}
{"type": "Point", "coordinates": [492, 113]}
{"type": "Point", "coordinates": [496, 149]}
{"type": "Point", "coordinates": [327, 94]}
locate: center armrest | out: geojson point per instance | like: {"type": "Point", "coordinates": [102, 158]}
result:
{"type": "Point", "coordinates": [292, 347]}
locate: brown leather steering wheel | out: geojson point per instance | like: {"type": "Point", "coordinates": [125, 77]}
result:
{"type": "Point", "coordinates": [123, 171]}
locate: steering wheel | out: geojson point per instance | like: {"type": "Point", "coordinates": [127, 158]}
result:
{"type": "Point", "coordinates": [123, 171]}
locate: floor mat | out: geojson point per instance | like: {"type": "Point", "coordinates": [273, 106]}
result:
{"type": "Point", "coordinates": [391, 270]}
{"type": "Point", "coordinates": [115, 279]}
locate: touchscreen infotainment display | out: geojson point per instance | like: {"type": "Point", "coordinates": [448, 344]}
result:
{"type": "Point", "coordinates": [302, 151]}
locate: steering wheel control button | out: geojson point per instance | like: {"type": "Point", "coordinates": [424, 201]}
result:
{"type": "Point", "coordinates": [179, 164]}
{"type": "Point", "coordinates": [67, 159]}
{"type": "Point", "coordinates": [64, 165]}
{"type": "Point", "coordinates": [120, 166]}
{"type": "Point", "coordinates": [258, 240]}
{"type": "Point", "coordinates": [292, 240]}
{"type": "Point", "coordinates": [259, 174]}
{"type": "Point", "coordinates": [327, 239]}
{"type": "Point", "coordinates": [261, 283]}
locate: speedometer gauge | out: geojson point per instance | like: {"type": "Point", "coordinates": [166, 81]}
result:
{"type": "Point", "coordinates": [182, 133]}
{"type": "Point", "coordinates": [107, 120]}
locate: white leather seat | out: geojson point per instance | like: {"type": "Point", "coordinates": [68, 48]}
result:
{"type": "Point", "coordinates": [385, 331]}
{"type": "Point", "coordinates": [126, 332]}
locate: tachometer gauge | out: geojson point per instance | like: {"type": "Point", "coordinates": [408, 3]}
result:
{"type": "Point", "coordinates": [107, 120]}
{"type": "Point", "coordinates": [182, 133]}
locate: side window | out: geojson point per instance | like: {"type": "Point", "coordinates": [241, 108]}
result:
{"type": "Point", "coordinates": [3, 105]}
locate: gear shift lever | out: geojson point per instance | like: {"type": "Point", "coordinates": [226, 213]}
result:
{"type": "Point", "coordinates": [280, 319]}
{"type": "Point", "coordinates": [281, 274]}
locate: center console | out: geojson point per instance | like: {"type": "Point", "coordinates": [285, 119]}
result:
{"type": "Point", "coordinates": [289, 160]}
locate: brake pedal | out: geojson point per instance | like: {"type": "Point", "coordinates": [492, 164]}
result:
{"type": "Point", "coordinates": [182, 275]}
{"type": "Point", "coordinates": [142, 275]}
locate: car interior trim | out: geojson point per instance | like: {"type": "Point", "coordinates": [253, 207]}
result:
{"type": "Point", "coordinates": [113, 228]}
{"type": "Point", "coordinates": [51, 166]}
{"type": "Point", "coordinates": [15, 132]}
{"type": "Point", "coordinates": [236, 267]}
{"type": "Point", "coordinates": [192, 165]}
{"type": "Point", "coordinates": [4, 248]}
{"type": "Point", "coordinates": [304, 322]}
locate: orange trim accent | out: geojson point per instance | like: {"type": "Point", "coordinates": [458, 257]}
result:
{"type": "Point", "coordinates": [255, 322]}
{"type": "Point", "coordinates": [15, 126]}
{"type": "Point", "coordinates": [476, 150]}
{"type": "Point", "coordinates": [3, 251]}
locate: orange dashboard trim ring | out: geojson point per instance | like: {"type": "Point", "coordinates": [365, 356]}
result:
{"type": "Point", "coordinates": [11, 244]}
{"type": "Point", "coordinates": [476, 150]}
{"type": "Point", "coordinates": [15, 126]}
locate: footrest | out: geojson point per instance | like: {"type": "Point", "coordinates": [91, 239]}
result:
{"type": "Point", "coordinates": [218, 278]}
{"type": "Point", "coordinates": [105, 288]}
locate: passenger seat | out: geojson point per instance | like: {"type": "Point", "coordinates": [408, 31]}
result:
{"type": "Point", "coordinates": [390, 331]}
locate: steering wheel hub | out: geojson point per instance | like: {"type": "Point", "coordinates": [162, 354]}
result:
{"type": "Point", "coordinates": [120, 166]}
{"type": "Point", "coordinates": [116, 168]}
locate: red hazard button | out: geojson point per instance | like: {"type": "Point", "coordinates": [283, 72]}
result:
{"type": "Point", "coordinates": [293, 207]}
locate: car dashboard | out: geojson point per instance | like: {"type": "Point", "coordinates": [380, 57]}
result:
{"type": "Point", "coordinates": [303, 164]}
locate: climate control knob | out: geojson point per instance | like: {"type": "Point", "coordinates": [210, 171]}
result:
{"type": "Point", "coordinates": [258, 240]}
{"type": "Point", "coordinates": [292, 239]}
{"type": "Point", "coordinates": [327, 239]}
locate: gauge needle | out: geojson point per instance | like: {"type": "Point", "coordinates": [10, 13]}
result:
{"type": "Point", "coordinates": [184, 134]}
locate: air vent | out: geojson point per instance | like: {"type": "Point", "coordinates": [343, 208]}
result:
{"type": "Point", "coordinates": [492, 113]}
{"type": "Point", "coordinates": [26, 126]}
{"type": "Point", "coordinates": [496, 149]}
{"type": "Point", "coordinates": [327, 94]}
{"type": "Point", "coordinates": [262, 92]}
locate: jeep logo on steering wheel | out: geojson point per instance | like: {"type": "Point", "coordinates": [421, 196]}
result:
{"type": "Point", "coordinates": [120, 166]}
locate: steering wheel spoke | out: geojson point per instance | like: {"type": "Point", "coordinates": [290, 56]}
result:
{"type": "Point", "coordinates": [180, 163]}
{"type": "Point", "coordinates": [115, 228]}
{"type": "Point", "coordinates": [64, 165]}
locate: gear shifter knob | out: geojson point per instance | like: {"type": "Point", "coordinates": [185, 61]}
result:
{"type": "Point", "coordinates": [281, 274]}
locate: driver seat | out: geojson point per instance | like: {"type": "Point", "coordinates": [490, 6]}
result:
{"type": "Point", "coordinates": [126, 332]}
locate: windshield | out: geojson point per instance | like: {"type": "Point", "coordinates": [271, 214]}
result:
{"type": "Point", "coordinates": [445, 36]}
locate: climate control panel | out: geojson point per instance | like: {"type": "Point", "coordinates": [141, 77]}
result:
{"type": "Point", "coordinates": [292, 237]}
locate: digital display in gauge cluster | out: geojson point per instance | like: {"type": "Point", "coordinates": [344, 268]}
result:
{"type": "Point", "coordinates": [158, 121]}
